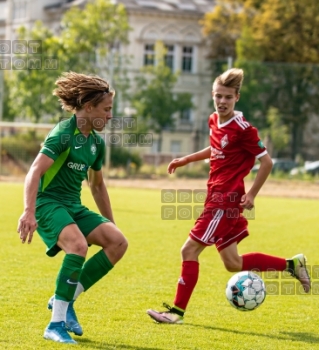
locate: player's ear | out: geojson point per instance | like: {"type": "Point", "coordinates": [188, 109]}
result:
{"type": "Point", "coordinates": [87, 107]}
{"type": "Point", "coordinates": [238, 97]}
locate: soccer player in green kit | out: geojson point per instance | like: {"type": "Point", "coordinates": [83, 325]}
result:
{"type": "Point", "coordinates": [52, 205]}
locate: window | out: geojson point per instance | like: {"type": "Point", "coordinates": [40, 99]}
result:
{"type": "Point", "coordinates": [3, 10]}
{"type": "Point", "coordinates": [154, 148]}
{"type": "Point", "coordinates": [149, 55]}
{"type": "Point", "coordinates": [19, 9]}
{"type": "Point", "coordinates": [169, 57]}
{"type": "Point", "coordinates": [176, 146]}
{"type": "Point", "coordinates": [187, 59]}
{"type": "Point", "coordinates": [186, 115]}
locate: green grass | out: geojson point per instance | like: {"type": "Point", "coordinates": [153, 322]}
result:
{"type": "Point", "coordinates": [112, 313]}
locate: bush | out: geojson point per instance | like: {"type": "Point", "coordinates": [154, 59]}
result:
{"type": "Point", "coordinates": [122, 157]}
{"type": "Point", "coordinates": [23, 147]}
{"type": "Point", "coordinates": [198, 170]}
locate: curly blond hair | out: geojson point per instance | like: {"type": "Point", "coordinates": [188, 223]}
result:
{"type": "Point", "coordinates": [232, 78]}
{"type": "Point", "coordinates": [74, 90]}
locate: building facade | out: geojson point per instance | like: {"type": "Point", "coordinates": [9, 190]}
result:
{"type": "Point", "coordinates": [173, 22]}
{"type": "Point", "coordinates": [176, 24]}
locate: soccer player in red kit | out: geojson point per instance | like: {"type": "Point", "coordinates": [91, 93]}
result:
{"type": "Point", "coordinates": [234, 146]}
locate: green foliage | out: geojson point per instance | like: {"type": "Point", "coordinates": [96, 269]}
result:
{"type": "Point", "coordinates": [85, 45]}
{"type": "Point", "coordinates": [264, 36]}
{"type": "Point", "coordinates": [277, 132]}
{"type": "Point", "coordinates": [255, 93]}
{"type": "Point", "coordinates": [270, 30]}
{"type": "Point", "coordinates": [222, 27]}
{"type": "Point", "coordinates": [22, 147]}
{"type": "Point", "coordinates": [30, 89]}
{"type": "Point", "coordinates": [89, 34]}
{"type": "Point", "coordinates": [246, 45]}
{"type": "Point", "coordinates": [7, 112]}
{"type": "Point", "coordinates": [117, 304]}
{"type": "Point", "coordinates": [123, 157]}
{"type": "Point", "coordinates": [154, 99]}
{"type": "Point", "coordinates": [198, 170]}
{"type": "Point", "coordinates": [284, 30]}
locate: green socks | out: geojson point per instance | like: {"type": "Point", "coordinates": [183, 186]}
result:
{"type": "Point", "coordinates": [68, 277]}
{"type": "Point", "coordinates": [73, 271]}
{"type": "Point", "coordinates": [94, 269]}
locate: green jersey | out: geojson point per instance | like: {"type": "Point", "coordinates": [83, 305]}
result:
{"type": "Point", "coordinates": [73, 155]}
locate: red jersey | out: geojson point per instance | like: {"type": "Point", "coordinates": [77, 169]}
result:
{"type": "Point", "coordinates": [235, 145]}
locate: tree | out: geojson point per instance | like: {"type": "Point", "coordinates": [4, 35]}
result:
{"type": "Point", "coordinates": [30, 88]}
{"type": "Point", "coordinates": [84, 44]}
{"type": "Point", "coordinates": [255, 93]}
{"type": "Point", "coordinates": [7, 112]}
{"type": "Point", "coordinates": [154, 99]}
{"type": "Point", "coordinates": [90, 34]}
{"type": "Point", "coordinates": [222, 27]}
{"type": "Point", "coordinates": [284, 35]}
{"type": "Point", "coordinates": [92, 37]}
{"type": "Point", "coordinates": [279, 38]}
{"type": "Point", "coordinates": [287, 31]}
{"type": "Point", "coordinates": [276, 132]}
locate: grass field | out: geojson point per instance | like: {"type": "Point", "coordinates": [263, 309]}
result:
{"type": "Point", "coordinates": [113, 314]}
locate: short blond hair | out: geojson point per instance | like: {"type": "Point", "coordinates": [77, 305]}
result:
{"type": "Point", "coordinates": [75, 90]}
{"type": "Point", "coordinates": [232, 78]}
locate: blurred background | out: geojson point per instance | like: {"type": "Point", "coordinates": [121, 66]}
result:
{"type": "Point", "coordinates": [161, 57]}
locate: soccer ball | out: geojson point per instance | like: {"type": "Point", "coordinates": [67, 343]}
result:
{"type": "Point", "coordinates": [245, 291]}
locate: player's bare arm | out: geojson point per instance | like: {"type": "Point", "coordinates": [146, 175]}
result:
{"type": "Point", "coordinates": [100, 194]}
{"type": "Point", "coordinates": [194, 157]}
{"type": "Point", "coordinates": [247, 200]}
{"type": "Point", "coordinates": [27, 223]}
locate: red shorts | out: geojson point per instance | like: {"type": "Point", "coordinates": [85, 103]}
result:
{"type": "Point", "coordinates": [221, 227]}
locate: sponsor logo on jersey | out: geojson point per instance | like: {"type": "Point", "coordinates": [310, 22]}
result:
{"type": "Point", "coordinates": [224, 141]}
{"type": "Point", "coordinates": [216, 153]}
{"type": "Point", "coordinates": [77, 166]}
{"type": "Point", "coordinates": [93, 149]}
{"type": "Point", "coordinates": [260, 144]}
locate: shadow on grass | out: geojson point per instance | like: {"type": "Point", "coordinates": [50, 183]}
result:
{"type": "Point", "coordinates": [91, 344]}
{"type": "Point", "coordinates": [302, 336]}
{"type": "Point", "coordinates": [297, 336]}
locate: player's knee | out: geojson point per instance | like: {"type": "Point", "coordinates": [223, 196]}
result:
{"type": "Point", "coordinates": [189, 253]}
{"type": "Point", "coordinates": [232, 265]}
{"type": "Point", "coordinates": [123, 245]}
{"type": "Point", "coordinates": [119, 247]}
{"type": "Point", "coordinates": [80, 248]}
{"type": "Point", "coordinates": [185, 251]}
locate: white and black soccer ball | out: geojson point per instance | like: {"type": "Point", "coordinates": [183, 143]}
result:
{"type": "Point", "coordinates": [245, 291]}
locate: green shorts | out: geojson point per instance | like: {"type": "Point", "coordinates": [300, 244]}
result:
{"type": "Point", "coordinates": [52, 216]}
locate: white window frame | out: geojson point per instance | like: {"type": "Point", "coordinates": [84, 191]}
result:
{"type": "Point", "coordinates": [175, 144]}
{"type": "Point", "coordinates": [170, 56]}
{"type": "Point", "coordinates": [149, 54]}
{"type": "Point", "coordinates": [19, 9]}
{"type": "Point", "coordinates": [188, 56]}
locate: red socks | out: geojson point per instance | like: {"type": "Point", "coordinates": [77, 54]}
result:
{"type": "Point", "coordinates": [190, 271]}
{"type": "Point", "coordinates": [186, 283]}
{"type": "Point", "coordinates": [263, 262]}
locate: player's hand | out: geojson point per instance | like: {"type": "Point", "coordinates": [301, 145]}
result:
{"type": "Point", "coordinates": [247, 201]}
{"type": "Point", "coordinates": [26, 226]}
{"type": "Point", "coordinates": [176, 163]}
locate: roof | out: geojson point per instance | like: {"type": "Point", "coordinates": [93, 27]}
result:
{"type": "Point", "coordinates": [181, 6]}
{"type": "Point", "coordinates": [169, 6]}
